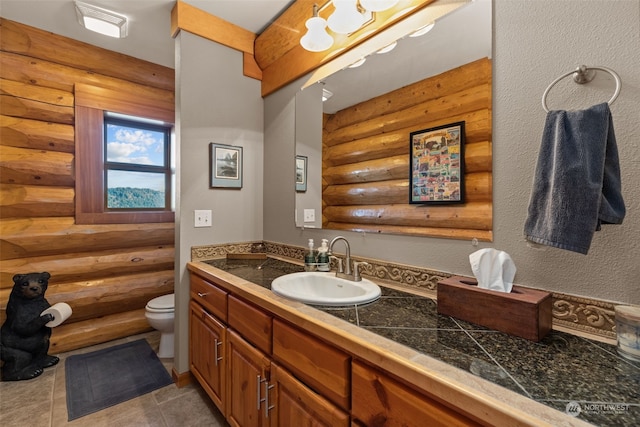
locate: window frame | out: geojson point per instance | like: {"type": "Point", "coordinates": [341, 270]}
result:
{"type": "Point", "coordinates": [165, 169]}
{"type": "Point", "coordinates": [91, 104]}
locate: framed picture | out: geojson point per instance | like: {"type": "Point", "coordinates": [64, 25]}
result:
{"type": "Point", "coordinates": [301, 174]}
{"type": "Point", "coordinates": [225, 163]}
{"type": "Point", "coordinates": [437, 165]}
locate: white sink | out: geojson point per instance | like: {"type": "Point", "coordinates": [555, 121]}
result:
{"type": "Point", "coordinates": [325, 289]}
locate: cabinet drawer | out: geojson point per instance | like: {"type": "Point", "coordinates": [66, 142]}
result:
{"type": "Point", "coordinates": [377, 396]}
{"type": "Point", "coordinates": [209, 296]}
{"type": "Point", "coordinates": [252, 323]}
{"type": "Point", "coordinates": [321, 366]}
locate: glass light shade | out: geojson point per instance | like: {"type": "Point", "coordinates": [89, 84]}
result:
{"type": "Point", "coordinates": [422, 31]}
{"type": "Point", "coordinates": [346, 18]}
{"type": "Point", "coordinates": [388, 48]}
{"type": "Point", "coordinates": [358, 63]}
{"type": "Point", "coordinates": [316, 39]}
{"type": "Point", "coordinates": [377, 5]}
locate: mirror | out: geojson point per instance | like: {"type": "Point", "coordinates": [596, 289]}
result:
{"type": "Point", "coordinates": [459, 38]}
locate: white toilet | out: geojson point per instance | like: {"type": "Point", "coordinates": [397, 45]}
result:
{"type": "Point", "coordinates": [160, 315]}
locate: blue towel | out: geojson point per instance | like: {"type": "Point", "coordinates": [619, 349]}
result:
{"type": "Point", "coordinates": [577, 182]}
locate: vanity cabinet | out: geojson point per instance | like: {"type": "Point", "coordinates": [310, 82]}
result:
{"type": "Point", "coordinates": [240, 362]}
{"type": "Point", "coordinates": [297, 405]}
{"type": "Point", "coordinates": [248, 386]}
{"type": "Point", "coordinates": [379, 400]}
{"type": "Point", "coordinates": [207, 338]}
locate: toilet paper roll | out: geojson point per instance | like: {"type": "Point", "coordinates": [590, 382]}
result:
{"type": "Point", "coordinates": [60, 311]}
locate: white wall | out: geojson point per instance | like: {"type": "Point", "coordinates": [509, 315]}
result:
{"type": "Point", "coordinates": [534, 42]}
{"type": "Point", "coordinates": [215, 103]}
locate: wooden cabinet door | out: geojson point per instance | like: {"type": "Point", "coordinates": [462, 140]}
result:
{"type": "Point", "coordinates": [248, 373]}
{"type": "Point", "coordinates": [297, 405]}
{"type": "Point", "coordinates": [379, 400]}
{"type": "Point", "coordinates": [207, 347]}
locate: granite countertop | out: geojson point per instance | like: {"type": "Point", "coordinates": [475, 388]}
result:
{"type": "Point", "coordinates": [575, 375]}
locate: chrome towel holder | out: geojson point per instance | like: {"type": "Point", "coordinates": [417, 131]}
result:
{"type": "Point", "coordinates": [582, 75]}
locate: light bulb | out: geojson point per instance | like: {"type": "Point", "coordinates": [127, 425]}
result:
{"type": "Point", "coordinates": [346, 18]}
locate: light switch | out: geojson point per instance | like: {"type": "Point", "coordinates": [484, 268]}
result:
{"type": "Point", "coordinates": [309, 215]}
{"type": "Point", "coordinates": [202, 218]}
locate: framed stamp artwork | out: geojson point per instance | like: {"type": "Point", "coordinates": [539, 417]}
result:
{"type": "Point", "coordinates": [225, 166]}
{"type": "Point", "coordinates": [437, 165]}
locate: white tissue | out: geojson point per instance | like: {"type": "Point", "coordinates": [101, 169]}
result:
{"type": "Point", "coordinates": [60, 311]}
{"type": "Point", "coordinates": [493, 269]}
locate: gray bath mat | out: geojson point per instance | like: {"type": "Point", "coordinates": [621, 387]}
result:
{"type": "Point", "coordinates": [113, 375]}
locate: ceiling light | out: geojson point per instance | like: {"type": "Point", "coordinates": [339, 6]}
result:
{"type": "Point", "coordinates": [378, 5]}
{"type": "Point", "coordinates": [346, 18]}
{"type": "Point", "coordinates": [326, 94]}
{"type": "Point", "coordinates": [101, 20]}
{"type": "Point", "coordinates": [388, 48]}
{"type": "Point", "coordinates": [316, 39]}
{"type": "Point", "coordinates": [422, 31]}
{"type": "Point", "coordinates": [358, 63]}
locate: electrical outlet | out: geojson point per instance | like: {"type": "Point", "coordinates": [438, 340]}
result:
{"type": "Point", "coordinates": [309, 215]}
{"type": "Point", "coordinates": [202, 218]}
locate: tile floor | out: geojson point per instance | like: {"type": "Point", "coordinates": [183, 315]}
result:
{"type": "Point", "coordinates": [41, 402]}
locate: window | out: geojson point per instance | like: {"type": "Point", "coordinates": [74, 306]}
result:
{"type": "Point", "coordinates": [123, 158]}
{"type": "Point", "coordinates": [136, 165]}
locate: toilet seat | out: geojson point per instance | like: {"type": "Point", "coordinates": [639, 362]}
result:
{"type": "Point", "coordinates": [162, 304]}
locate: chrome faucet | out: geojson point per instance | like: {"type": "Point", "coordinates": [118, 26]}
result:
{"type": "Point", "coordinates": [346, 272]}
{"type": "Point", "coordinates": [347, 258]}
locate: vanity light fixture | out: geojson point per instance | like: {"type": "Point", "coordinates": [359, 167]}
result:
{"type": "Point", "coordinates": [101, 20]}
{"type": "Point", "coordinates": [316, 39]}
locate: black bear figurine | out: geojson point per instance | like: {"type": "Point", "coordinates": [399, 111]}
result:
{"type": "Point", "coordinates": [24, 338]}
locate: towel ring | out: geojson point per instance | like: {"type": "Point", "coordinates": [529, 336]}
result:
{"type": "Point", "coordinates": [583, 75]}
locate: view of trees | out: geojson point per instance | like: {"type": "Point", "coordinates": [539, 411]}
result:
{"type": "Point", "coordinates": [129, 198]}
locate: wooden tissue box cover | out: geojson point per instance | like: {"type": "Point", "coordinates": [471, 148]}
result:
{"type": "Point", "coordinates": [523, 312]}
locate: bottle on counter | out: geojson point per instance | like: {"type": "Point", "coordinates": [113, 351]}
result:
{"type": "Point", "coordinates": [310, 258]}
{"type": "Point", "coordinates": [323, 256]}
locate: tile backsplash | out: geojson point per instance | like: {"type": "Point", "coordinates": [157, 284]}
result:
{"type": "Point", "coordinates": [579, 315]}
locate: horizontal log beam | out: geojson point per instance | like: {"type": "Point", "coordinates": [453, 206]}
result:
{"type": "Point", "coordinates": [477, 216]}
{"type": "Point", "coordinates": [395, 142]}
{"type": "Point", "coordinates": [36, 237]}
{"type": "Point", "coordinates": [32, 201]}
{"type": "Point", "coordinates": [35, 167]}
{"type": "Point", "coordinates": [45, 73]}
{"type": "Point", "coordinates": [36, 134]}
{"type": "Point", "coordinates": [36, 110]}
{"type": "Point", "coordinates": [460, 104]}
{"type": "Point", "coordinates": [71, 267]}
{"type": "Point", "coordinates": [73, 336]}
{"type": "Point", "coordinates": [33, 42]}
{"type": "Point", "coordinates": [445, 233]}
{"type": "Point", "coordinates": [102, 297]}
{"type": "Point", "coordinates": [36, 93]}
{"type": "Point", "coordinates": [462, 78]}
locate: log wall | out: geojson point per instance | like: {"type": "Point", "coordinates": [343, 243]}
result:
{"type": "Point", "coordinates": [106, 273]}
{"type": "Point", "coordinates": [366, 158]}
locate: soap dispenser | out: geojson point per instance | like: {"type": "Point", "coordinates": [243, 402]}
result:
{"type": "Point", "coordinates": [310, 258]}
{"type": "Point", "coordinates": [323, 256]}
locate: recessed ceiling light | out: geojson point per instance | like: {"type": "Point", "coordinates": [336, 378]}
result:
{"type": "Point", "coordinates": [358, 63]}
{"type": "Point", "coordinates": [101, 20]}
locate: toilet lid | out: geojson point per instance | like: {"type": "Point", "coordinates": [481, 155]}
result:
{"type": "Point", "coordinates": [165, 302]}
